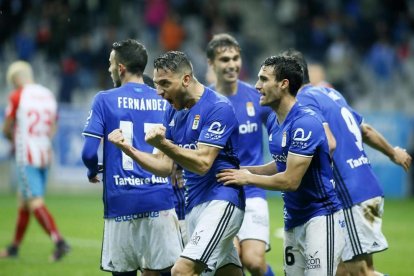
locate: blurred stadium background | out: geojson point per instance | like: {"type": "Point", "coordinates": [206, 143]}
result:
{"type": "Point", "coordinates": [366, 48]}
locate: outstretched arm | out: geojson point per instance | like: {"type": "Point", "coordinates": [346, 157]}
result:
{"type": "Point", "coordinates": [157, 163]}
{"type": "Point", "coordinates": [266, 169]}
{"type": "Point", "coordinates": [377, 141]}
{"type": "Point", "coordinates": [289, 180]}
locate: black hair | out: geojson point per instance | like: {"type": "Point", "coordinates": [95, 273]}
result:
{"type": "Point", "coordinates": [132, 55]}
{"type": "Point", "coordinates": [302, 61]}
{"type": "Point", "coordinates": [174, 61]}
{"type": "Point", "coordinates": [286, 67]}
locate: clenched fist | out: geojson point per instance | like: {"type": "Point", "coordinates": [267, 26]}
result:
{"type": "Point", "coordinates": [155, 136]}
{"type": "Point", "coordinates": [117, 138]}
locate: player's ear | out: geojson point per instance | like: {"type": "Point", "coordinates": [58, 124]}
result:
{"type": "Point", "coordinates": [121, 68]}
{"type": "Point", "coordinates": [186, 80]}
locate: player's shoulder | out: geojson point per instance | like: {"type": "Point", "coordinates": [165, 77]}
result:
{"type": "Point", "coordinates": [216, 99]}
{"type": "Point", "coordinates": [305, 115]}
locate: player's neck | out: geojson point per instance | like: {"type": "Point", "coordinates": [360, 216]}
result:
{"type": "Point", "coordinates": [195, 92]}
{"type": "Point", "coordinates": [132, 78]}
{"type": "Point", "coordinates": [226, 88]}
{"type": "Point", "coordinates": [283, 108]}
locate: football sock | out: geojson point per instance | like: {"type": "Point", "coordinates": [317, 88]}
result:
{"type": "Point", "coordinates": [45, 219]}
{"type": "Point", "coordinates": [23, 219]}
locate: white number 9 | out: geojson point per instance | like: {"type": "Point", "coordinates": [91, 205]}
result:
{"type": "Point", "coordinates": [352, 126]}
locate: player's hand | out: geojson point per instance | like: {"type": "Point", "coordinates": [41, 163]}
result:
{"type": "Point", "coordinates": [155, 136]}
{"type": "Point", "coordinates": [402, 158]}
{"type": "Point", "coordinates": [177, 177]}
{"type": "Point", "coordinates": [117, 138]}
{"type": "Point", "coordinates": [94, 179]}
{"type": "Point", "coordinates": [233, 176]}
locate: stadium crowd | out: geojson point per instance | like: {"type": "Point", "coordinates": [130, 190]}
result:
{"type": "Point", "coordinates": [364, 45]}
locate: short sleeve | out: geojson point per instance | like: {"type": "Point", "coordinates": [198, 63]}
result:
{"type": "Point", "coordinates": [219, 126]}
{"type": "Point", "coordinates": [13, 104]}
{"type": "Point", "coordinates": [307, 133]}
{"type": "Point", "coordinates": [95, 122]}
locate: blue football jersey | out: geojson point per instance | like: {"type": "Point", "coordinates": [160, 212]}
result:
{"type": "Point", "coordinates": [128, 188]}
{"type": "Point", "coordinates": [354, 177]}
{"type": "Point", "coordinates": [210, 121]}
{"type": "Point", "coordinates": [252, 117]}
{"type": "Point", "coordinates": [302, 133]}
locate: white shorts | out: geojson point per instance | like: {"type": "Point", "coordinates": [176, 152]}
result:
{"type": "Point", "coordinates": [256, 221]}
{"type": "Point", "coordinates": [212, 227]}
{"type": "Point", "coordinates": [183, 229]}
{"type": "Point", "coordinates": [363, 229]}
{"type": "Point", "coordinates": [150, 240]}
{"type": "Point", "coordinates": [315, 248]}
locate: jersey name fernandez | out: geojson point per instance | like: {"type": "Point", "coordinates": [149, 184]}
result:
{"type": "Point", "coordinates": [302, 133]}
{"type": "Point", "coordinates": [128, 188]}
{"type": "Point", "coordinates": [211, 121]}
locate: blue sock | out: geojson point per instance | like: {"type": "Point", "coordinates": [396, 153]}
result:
{"type": "Point", "coordinates": [269, 271]}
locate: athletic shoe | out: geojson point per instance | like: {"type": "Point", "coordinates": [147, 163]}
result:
{"type": "Point", "coordinates": [9, 252]}
{"type": "Point", "coordinates": [62, 248]}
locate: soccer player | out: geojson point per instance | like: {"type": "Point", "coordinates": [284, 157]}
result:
{"type": "Point", "coordinates": [224, 58]}
{"type": "Point", "coordinates": [314, 237]}
{"type": "Point", "coordinates": [200, 134]}
{"type": "Point", "coordinates": [141, 227]}
{"type": "Point", "coordinates": [30, 125]}
{"type": "Point", "coordinates": [356, 184]}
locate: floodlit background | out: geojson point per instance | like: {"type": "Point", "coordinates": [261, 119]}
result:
{"type": "Point", "coordinates": [363, 48]}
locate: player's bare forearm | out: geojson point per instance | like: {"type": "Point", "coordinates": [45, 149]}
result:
{"type": "Point", "coordinates": [266, 169]}
{"type": "Point", "coordinates": [277, 182]}
{"type": "Point", "coordinates": [374, 139]}
{"type": "Point", "coordinates": [377, 141]}
{"type": "Point", "coordinates": [198, 161]}
{"type": "Point", "coordinates": [158, 163]}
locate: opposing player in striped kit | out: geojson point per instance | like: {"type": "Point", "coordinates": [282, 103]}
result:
{"type": "Point", "coordinates": [30, 125]}
{"type": "Point", "coordinates": [141, 229]}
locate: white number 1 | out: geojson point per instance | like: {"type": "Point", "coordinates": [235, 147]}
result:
{"type": "Point", "coordinates": [127, 128]}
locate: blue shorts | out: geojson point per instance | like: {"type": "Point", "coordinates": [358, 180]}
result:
{"type": "Point", "coordinates": [32, 181]}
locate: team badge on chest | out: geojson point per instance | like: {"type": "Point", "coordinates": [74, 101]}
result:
{"type": "Point", "coordinates": [196, 122]}
{"type": "Point", "coordinates": [284, 139]}
{"type": "Point", "coordinates": [250, 109]}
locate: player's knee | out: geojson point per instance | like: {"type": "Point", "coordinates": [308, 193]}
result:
{"type": "Point", "coordinates": [254, 263]}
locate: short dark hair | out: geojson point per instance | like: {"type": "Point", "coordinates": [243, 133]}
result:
{"type": "Point", "coordinates": [132, 54]}
{"type": "Point", "coordinates": [174, 61]}
{"type": "Point", "coordinates": [286, 67]}
{"type": "Point", "coordinates": [223, 40]}
{"type": "Point", "coordinates": [302, 61]}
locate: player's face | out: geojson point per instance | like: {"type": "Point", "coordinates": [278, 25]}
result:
{"type": "Point", "coordinates": [268, 86]}
{"type": "Point", "coordinates": [169, 85]}
{"type": "Point", "coordinates": [226, 64]}
{"type": "Point", "coordinates": [113, 69]}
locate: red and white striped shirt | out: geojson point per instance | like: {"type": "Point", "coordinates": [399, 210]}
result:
{"type": "Point", "coordinates": [34, 109]}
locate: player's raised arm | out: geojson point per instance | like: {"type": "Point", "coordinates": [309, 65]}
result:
{"type": "Point", "coordinates": [157, 163]}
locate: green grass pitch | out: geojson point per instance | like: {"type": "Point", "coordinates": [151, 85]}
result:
{"type": "Point", "coordinates": [79, 218]}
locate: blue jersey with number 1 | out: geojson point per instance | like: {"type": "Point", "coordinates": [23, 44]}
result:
{"type": "Point", "coordinates": [211, 121]}
{"type": "Point", "coordinates": [302, 134]}
{"type": "Point", "coordinates": [128, 188]}
{"type": "Point", "coordinates": [354, 177]}
{"type": "Point", "coordinates": [251, 116]}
